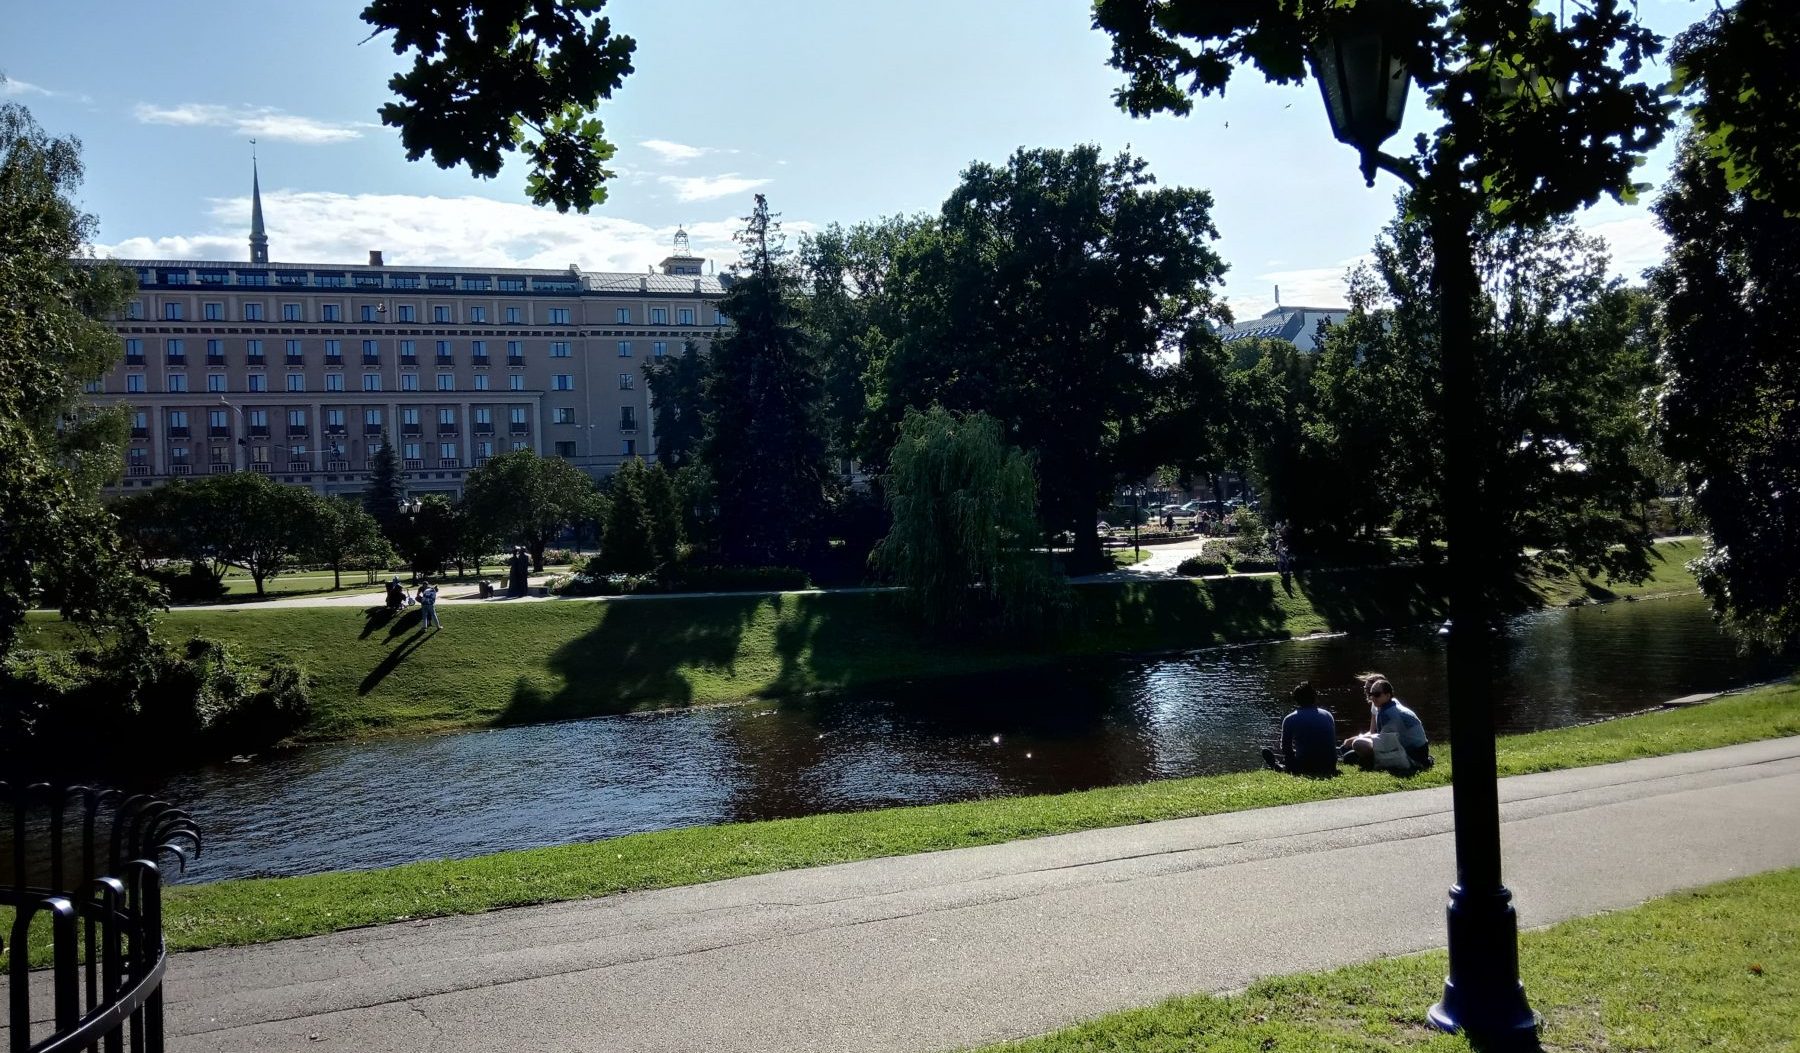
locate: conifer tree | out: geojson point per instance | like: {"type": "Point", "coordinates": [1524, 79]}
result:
{"type": "Point", "coordinates": [386, 489]}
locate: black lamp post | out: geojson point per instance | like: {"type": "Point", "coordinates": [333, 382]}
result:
{"type": "Point", "coordinates": [1364, 80]}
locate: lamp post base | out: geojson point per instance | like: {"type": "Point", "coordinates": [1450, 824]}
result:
{"type": "Point", "coordinates": [1483, 997]}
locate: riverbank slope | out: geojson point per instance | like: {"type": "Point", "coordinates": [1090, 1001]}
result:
{"type": "Point", "coordinates": [504, 663]}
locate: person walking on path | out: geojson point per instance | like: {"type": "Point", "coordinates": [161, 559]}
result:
{"type": "Point", "coordinates": [1396, 739]}
{"type": "Point", "coordinates": [1308, 737]}
{"type": "Point", "coordinates": [428, 594]}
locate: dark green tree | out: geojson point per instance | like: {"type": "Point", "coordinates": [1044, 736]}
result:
{"type": "Point", "coordinates": [56, 542]}
{"type": "Point", "coordinates": [1736, 69]}
{"type": "Point", "coordinates": [344, 536]}
{"type": "Point", "coordinates": [1047, 294]}
{"type": "Point", "coordinates": [678, 398]}
{"type": "Point", "coordinates": [386, 490]}
{"type": "Point", "coordinates": [625, 546]}
{"type": "Point", "coordinates": [764, 444]}
{"type": "Point", "coordinates": [1730, 409]}
{"type": "Point", "coordinates": [662, 511]}
{"type": "Point", "coordinates": [492, 77]}
{"type": "Point", "coordinates": [527, 499]}
{"type": "Point", "coordinates": [964, 533]}
{"type": "Point", "coordinates": [431, 536]}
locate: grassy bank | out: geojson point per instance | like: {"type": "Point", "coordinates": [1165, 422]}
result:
{"type": "Point", "coordinates": [514, 663]}
{"type": "Point", "coordinates": [252, 911]}
{"type": "Point", "coordinates": [1715, 968]}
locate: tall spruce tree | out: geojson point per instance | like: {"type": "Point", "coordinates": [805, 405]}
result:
{"type": "Point", "coordinates": [764, 443]}
{"type": "Point", "coordinates": [677, 396]}
{"type": "Point", "coordinates": [386, 489]}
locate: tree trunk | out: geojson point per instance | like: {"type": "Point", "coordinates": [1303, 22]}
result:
{"type": "Point", "coordinates": [257, 576]}
{"type": "Point", "coordinates": [537, 555]}
{"type": "Point", "coordinates": [337, 576]}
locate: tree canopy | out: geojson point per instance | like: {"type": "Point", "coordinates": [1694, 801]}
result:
{"type": "Point", "coordinates": [492, 77]}
{"type": "Point", "coordinates": [528, 499]}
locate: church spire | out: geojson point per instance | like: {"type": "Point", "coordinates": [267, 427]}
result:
{"type": "Point", "coordinates": [259, 241]}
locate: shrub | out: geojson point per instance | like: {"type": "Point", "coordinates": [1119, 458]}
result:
{"type": "Point", "coordinates": [190, 584]}
{"type": "Point", "coordinates": [739, 579]}
{"type": "Point", "coordinates": [1199, 566]}
{"type": "Point", "coordinates": [143, 703]}
{"type": "Point", "coordinates": [558, 556]}
{"type": "Point", "coordinates": [1252, 565]}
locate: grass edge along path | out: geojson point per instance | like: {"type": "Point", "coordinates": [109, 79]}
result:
{"type": "Point", "coordinates": [230, 913]}
{"type": "Point", "coordinates": [1711, 968]}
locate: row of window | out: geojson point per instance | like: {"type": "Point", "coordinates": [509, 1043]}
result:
{"type": "Point", "coordinates": [296, 382]}
{"type": "Point", "coordinates": [139, 457]}
{"type": "Point", "coordinates": [218, 421]}
{"type": "Point", "coordinates": [176, 348]}
{"type": "Point", "coordinates": [180, 276]}
{"type": "Point", "coordinates": [441, 314]}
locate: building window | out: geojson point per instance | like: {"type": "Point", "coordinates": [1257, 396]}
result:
{"type": "Point", "coordinates": [171, 312]}
{"type": "Point", "coordinates": [256, 382]}
{"type": "Point", "coordinates": [627, 418]}
{"type": "Point", "coordinates": [659, 316]}
{"type": "Point", "coordinates": [440, 281]}
{"type": "Point", "coordinates": [559, 349]}
{"type": "Point", "coordinates": [94, 387]}
{"type": "Point", "coordinates": [134, 383]}
{"type": "Point", "coordinates": [173, 349]}
{"type": "Point", "coordinates": [334, 349]}
{"type": "Point", "coordinates": [290, 312]}
{"type": "Point", "coordinates": [514, 315]}
{"type": "Point", "coordinates": [334, 420]}
{"type": "Point", "coordinates": [446, 381]}
{"type": "Point", "coordinates": [296, 381]}
{"type": "Point", "coordinates": [215, 421]}
{"type": "Point", "coordinates": [685, 316]}
{"type": "Point", "coordinates": [253, 312]}
{"type": "Point", "coordinates": [409, 415]}
{"type": "Point", "coordinates": [478, 314]}
{"type": "Point", "coordinates": [519, 444]}
{"type": "Point", "coordinates": [627, 381]}
{"type": "Point", "coordinates": [446, 418]}
{"type": "Point", "coordinates": [215, 382]}
{"type": "Point", "coordinates": [409, 351]}
{"type": "Point", "coordinates": [409, 382]}
{"type": "Point", "coordinates": [178, 419]}
{"type": "Point", "coordinates": [565, 414]}
{"type": "Point", "coordinates": [622, 314]}
{"type": "Point", "coordinates": [515, 383]}
{"type": "Point", "coordinates": [478, 351]}
{"type": "Point", "coordinates": [371, 351]}
{"type": "Point", "coordinates": [177, 382]}
{"type": "Point", "coordinates": [371, 381]}
{"type": "Point", "coordinates": [404, 281]}
{"type": "Point", "coordinates": [215, 349]}
{"type": "Point", "coordinates": [515, 352]}
{"type": "Point", "coordinates": [134, 310]}
{"type": "Point", "coordinates": [718, 317]}
{"type": "Point", "coordinates": [134, 349]}
{"type": "Point", "coordinates": [372, 419]}
{"type": "Point", "coordinates": [179, 454]}
{"type": "Point", "coordinates": [443, 349]}
{"type": "Point", "coordinates": [512, 285]}
{"type": "Point", "coordinates": [212, 312]}
{"type": "Point", "coordinates": [484, 448]}
{"type": "Point", "coordinates": [659, 349]}
{"type": "Point", "coordinates": [407, 313]}
{"type": "Point", "coordinates": [628, 448]}
{"type": "Point", "coordinates": [447, 450]}
{"type": "Point", "coordinates": [139, 457]}
{"type": "Point", "coordinates": [253, 351]}
{"type": "Point", "coordinates": [563, 382]}
{"type": "Point", "coordinates": [481, 382]}
{"type": "Point", "coordinates": [484, 415]}
{"type": "Point", "coordinates": [329, 281]}
{"type": "Point", "coordinates": [565, 449]}
{"type": "Point", "coordinates": [296, 420]}
{"type": "Point", "coordinates": [440, 314]}
{"type": "Point", "coordinates": [331, 312]}
{"type": "Point", "coordinates": [476, 284]}
{"type": "Point", "coordinates": [624, 349]}
{"type": "Point", "coordinates": [411, 450]}
{"type": "Point", "coordinates": [517, 415]}
{"type": "Point", "coordinates": [559, 316]}
{"type": "Point", "coordinates": [334, 382]}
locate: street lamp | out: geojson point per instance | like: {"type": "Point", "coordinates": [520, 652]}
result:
{"type": "Point", "coordinates": [1363, 79]}
{"type": "Point", "coordinates": [237, 460]}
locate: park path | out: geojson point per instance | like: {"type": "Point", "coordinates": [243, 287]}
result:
{"type": "Point", "coordinates": [947, 949]}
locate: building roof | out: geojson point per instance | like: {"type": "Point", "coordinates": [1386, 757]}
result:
{"type": "Point", "coordinates": [592, 281]}
{"type": "Point", "coordinates": [1282, 323]}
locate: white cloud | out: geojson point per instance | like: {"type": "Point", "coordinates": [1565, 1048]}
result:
{"type": "Point", "coordinates": [319, 227]}
{"type": "Point", "coordinates": [674, 152]}
{"type": "Point", "coordinates": [1300, 287]}
{"type": "Point", "coordinates": [9, 86]}
{"type": "Point", "coordinates": [258, 121]}
{"type": "Point", "coordinates": [1636, 243]}
{"type": "Point", "coordinates": [708, 188]}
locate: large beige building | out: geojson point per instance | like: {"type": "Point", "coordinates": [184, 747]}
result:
{"type": "Point", "coordinates": [296, 370]}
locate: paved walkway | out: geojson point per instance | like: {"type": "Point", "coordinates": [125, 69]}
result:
{"type": "Point", "coordinates": [938, 951]}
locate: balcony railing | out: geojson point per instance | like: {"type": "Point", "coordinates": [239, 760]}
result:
{"type": "Point", "coordinates": [371, 360]}
{"type": "Point", "coordinates": [134, 360]}
{"type": "Point", "coordinates": [178, 431]}
{"type": "Point", "coordinates": [409, 360]}
{"type": "Point", "coordinates": [137, 469]}
{"type": "Point", "coordinates": [410, 429]}
{"type": "Point", "coordinates": [220, 467]}
{"type": "Point", "coordinates": [176, 360]}
{"type": "Point", "coordinates": [371, 429]}
{"type": "Point", "coordinates": [140, 433]}
{"type": "Point", "coordinates": [181, 469]}
{"type": "Point", "coordinates": [337, 466]}
{"type": "Point", "coordinates": [412, 464]}
{"type": "Point", "coordinates": [296, 360]}
{"type": "Point", "coordinates": [484, 428]}
{"type": "Point", "coordinates": [515, 360]}
{"type": "Point", "coordinates": [262, 466]}
{"type": "Point", "coordinates": [446, 429]}
{"type": "Point", "coordinates": [334, 360]}
{"type": "Point", "coordinates": [519, 428]}
{"type": "Point", "coordinates": [256, 360]}
{"type": "Point", "coordinates": [215, 360]}
{"type": "Point", "coordinates": [479, 361]}
{"type": "Point", "coordinates": [449, 462]}
{"type": "Point", "coordinates": [446, 360]}
{"type": "Point", "coordinates": [296, 431]}
{"type": "Point", "coordinates": [218, 431]}
{"type": "Point", "coordinates": [259, 430]}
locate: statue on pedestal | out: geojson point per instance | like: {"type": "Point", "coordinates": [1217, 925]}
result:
{"type": "Point", "coordinates": [520, 569]}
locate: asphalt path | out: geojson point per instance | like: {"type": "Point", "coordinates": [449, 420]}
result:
{"type": "Point", "coordinates": [949, 949]}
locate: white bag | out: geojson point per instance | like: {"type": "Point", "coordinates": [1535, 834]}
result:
{"type": "Point", "coordinates": [1390, 755]}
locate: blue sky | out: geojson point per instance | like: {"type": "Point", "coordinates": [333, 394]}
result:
{"type": "Point", "coordinates": [838, 112]}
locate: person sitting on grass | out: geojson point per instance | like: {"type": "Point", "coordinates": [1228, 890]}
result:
{"type": "Point", "coordinates": [1396, 741]}
{"type": "Point", "coordinates": [1308, 737]}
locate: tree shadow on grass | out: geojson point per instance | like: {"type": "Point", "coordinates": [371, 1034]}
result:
{"type": "Point", "coordinates": [1152, 616]}
{"type": "Point", "coordinates": [393, 659]}
{"type": "Point", "coordinates": [638, 656]}
{"type": "Point", "coordinates": [1349, 600]}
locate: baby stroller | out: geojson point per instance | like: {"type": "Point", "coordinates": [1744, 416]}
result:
{"type": "Point", "coordinates": [396, 596]}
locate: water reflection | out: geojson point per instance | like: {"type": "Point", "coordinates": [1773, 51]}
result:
{"type": "Point", "coordinates": [1065, 727]}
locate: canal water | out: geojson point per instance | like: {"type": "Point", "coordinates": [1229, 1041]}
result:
{"type": "Point", "coordinates": [1064, 727]}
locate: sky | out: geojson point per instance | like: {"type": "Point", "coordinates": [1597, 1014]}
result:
{"type": "Point", "coordinates": [837, 112]}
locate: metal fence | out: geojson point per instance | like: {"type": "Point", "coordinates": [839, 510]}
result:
{"type": "Point", "coordinates": [85, 898]}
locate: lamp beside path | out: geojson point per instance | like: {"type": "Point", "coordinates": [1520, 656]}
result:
{"type": "Point", "coordinates": [1364, 81]}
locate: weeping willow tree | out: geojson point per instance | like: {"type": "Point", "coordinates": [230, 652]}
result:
{"type": "Point", "coordinates": [964, 506]}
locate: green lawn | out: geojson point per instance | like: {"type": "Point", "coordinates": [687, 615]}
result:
{"type": "Point", "coordinates": [1713, 969]}
{"type": "Point", "coordinates": [1125, 557]}
{"type": "Point", "coordinates": [253, 911]}
{"type": "Point", "coordinates": [512, 663]}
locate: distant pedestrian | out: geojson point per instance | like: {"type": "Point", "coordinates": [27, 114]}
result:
{"type": "Point", "coordinates": [1308, 737]}
{"type": "Point", "coordinates": [428, 594]}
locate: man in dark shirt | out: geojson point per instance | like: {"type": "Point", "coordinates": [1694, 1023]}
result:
{"type": "Point", "coordinates": [1308, 737]}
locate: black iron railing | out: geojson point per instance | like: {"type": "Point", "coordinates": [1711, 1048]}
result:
{"type": "Point", "coordinates": [85, 898]}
